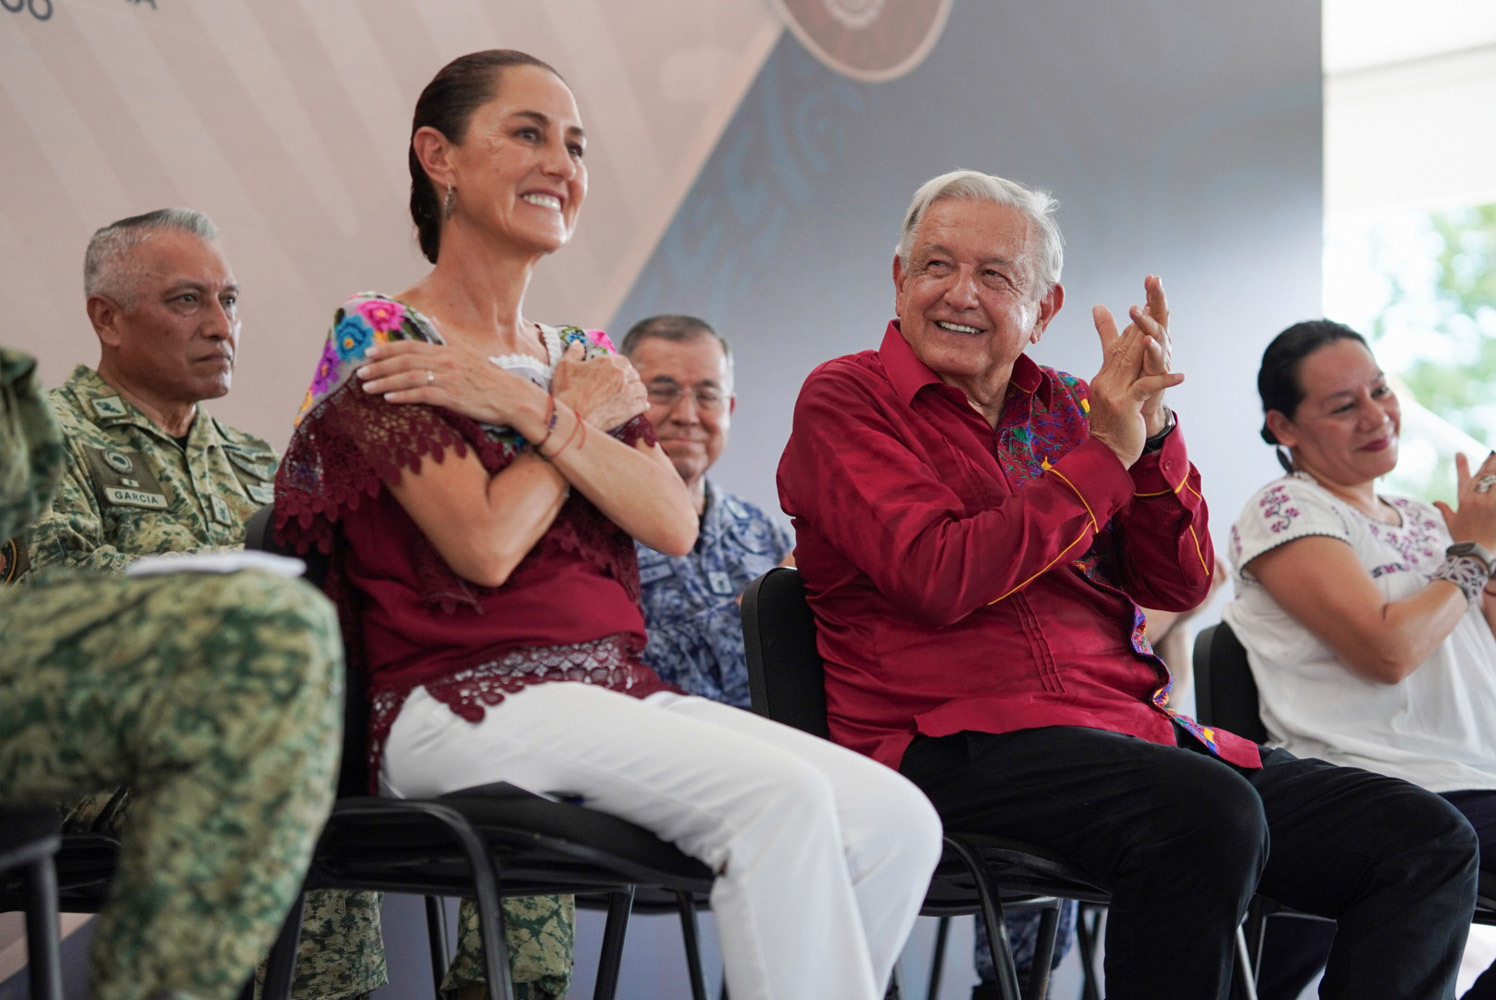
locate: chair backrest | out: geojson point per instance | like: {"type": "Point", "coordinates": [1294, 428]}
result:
{"type": "Point", "coordinates": [353, 773]}
{"type": "Point", "coordinates": [785, 675]}
{"type": "Point", "coordinates": [259, 533]}
{"type": "Point", "coordinates": [1225, 693]}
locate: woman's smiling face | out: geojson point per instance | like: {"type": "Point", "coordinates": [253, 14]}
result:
{"type": "Point", "coordinates": [518, 170]}
{"type": "Point", "coordinates": [1346, 427]}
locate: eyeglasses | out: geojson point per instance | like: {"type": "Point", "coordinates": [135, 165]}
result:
{"type": "Point", "coordinates": [707, 400]}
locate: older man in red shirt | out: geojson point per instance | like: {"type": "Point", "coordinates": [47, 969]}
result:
{"type": "Point", "coordinates": [976, 532]}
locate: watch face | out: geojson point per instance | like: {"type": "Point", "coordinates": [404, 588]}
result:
{"type": "Point", "coordinates": [1472, 550]}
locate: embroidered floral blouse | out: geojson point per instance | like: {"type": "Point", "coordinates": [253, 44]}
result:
{"type": "Point", "coordinates": [568, 612]}
{"type": "Point", "coordinates": [1434, 727]}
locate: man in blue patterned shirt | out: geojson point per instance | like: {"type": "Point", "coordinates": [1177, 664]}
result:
{"type": "Point", "coordinates": [691, 601]}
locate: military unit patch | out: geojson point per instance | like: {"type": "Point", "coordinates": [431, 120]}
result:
{"type": "Point", "coordinates": [125, 479]}
{"type": "Point", "coordinates": [110, 406]}
{"type": "Point", "coordinates": [118, 461]}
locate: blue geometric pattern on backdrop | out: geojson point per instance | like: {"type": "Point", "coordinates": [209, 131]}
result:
{"type": "Point", "coordinates": [773, 162]}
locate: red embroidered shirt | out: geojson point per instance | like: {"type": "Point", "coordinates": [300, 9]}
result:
{"type": "Point", "coordinates": [966, 578]}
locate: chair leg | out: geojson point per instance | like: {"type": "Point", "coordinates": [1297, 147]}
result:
{"type": "Point", "coordinates": [491, 929]}
{"type": "Point", "coordinates": [689, 934]}
{"type": "Point", "coordinates": [610, 963]}
{"type": "Point", "coordinates": [1088, 929]}
{"type": "Point", "coordinates": [1249, 950]}
{"type": "Point", "coordinates": [43, 938]}
{"type": "Point", "coordinates": [992, 913]}
{"type": "Point", "coordinates": [436, 937]}
{"type": "Point", "coordinates": [1244, 966]}
{"type": "Point", "coordinates": [280, 967]}
{"type": "Point", "coordinates": [1049, 925]}
{"type": "Point", "coordinates": [1256, 932]}
{"type": "Point", "coordinates": [937, 959]}
{"type": "Point", "coordinates": [1002, 949]}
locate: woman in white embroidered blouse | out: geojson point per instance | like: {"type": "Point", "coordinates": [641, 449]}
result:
{"type": "Point", "coordinates": [1367, 618]}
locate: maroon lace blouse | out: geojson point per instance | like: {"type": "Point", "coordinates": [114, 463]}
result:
{"type": "Point", "coordinates": [568, 612]}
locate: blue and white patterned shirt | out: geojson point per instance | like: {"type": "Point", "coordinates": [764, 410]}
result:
{"type": "Point", "coordinates": [691, 602]}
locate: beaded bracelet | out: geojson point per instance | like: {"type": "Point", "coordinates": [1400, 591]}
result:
{"type": "Point", "coordinates": [1465, 572]}
{"type": "Point", "coordinates": [550, 422]}
{"type": "Point", "coordinates": [574, 429]}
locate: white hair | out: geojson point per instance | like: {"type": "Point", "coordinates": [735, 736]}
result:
{"type": "Point", "coordinates": [973, 185]}
{"type": "Point", "coordinates": [107, 268]}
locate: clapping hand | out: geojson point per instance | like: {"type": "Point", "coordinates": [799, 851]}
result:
{"type": "Point", "coordinates": [1127, 393]}
{"type": "Point", "coordinates": [1475, 518]}
{"type": "Point", "coordinates": [1158, 348]}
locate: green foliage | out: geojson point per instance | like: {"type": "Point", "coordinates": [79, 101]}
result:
{"type": "Point", "coordinates": [1453, 371]}
{"type": "Point", "coordinates": [1466, 276]}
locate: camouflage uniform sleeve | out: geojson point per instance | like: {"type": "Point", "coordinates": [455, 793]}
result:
{"type": "Point", "coordinates": [30, 444]}
{"type": "Point", "coordinates": [71, 532]}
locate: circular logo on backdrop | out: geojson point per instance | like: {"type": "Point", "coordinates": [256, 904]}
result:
{"type": "Point", "coordinates": [869, 40]}
{"type": "Point", "coordinates": [118, 461]}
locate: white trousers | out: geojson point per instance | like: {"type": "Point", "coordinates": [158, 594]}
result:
{"type": "Point", "coordinates": [823, 855]}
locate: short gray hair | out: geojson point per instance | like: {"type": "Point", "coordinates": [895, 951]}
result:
{"type": "Point", "coordinates": [674, 327]}
{"type": "Point", "coordinates": [973, 185]}
{"type": "Point", "coordinates": [107, 268]}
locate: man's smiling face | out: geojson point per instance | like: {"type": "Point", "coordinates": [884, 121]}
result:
{"type": "Point", "coordinates": [968, 302]}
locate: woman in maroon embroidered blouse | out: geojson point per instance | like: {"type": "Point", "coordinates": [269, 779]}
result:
{"type": "Point", "coordinates": [479, 480]}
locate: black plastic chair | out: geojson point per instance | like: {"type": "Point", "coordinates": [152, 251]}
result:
{"type": "Point", "coordinates": [28, 848]}
{"type": "Point", "coordinates": [1225, 693]}
{"type": "Point", "coordinates": [1226, 696]}
{"type": "Point", "coordinates": [483, 843]}
{"type": "Point", "coordinates": [978, 872]}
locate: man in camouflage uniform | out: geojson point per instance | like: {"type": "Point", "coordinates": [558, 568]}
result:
{"type": "Point", "coordinates": [146, 471]}
{"type": "Point", "coordinates": [218, 698]}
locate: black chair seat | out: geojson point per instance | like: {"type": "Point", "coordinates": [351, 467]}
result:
{"type": "Point", "coordinates": [1022, 871]}
{"type": "Point", "coordinates": [85, 864]}
{"type": "Point", "coordinates": [540, 845]}
{"type": "Point", "coordinates": [1485, 900]}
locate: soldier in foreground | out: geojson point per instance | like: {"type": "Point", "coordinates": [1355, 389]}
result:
{"type": "Point", "coordinates": [217, 698]}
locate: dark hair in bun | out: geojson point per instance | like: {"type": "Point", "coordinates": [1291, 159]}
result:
{"type": "Point", "coordinates": [447, 104]}
{"type": "Point", "coordinates": [1278, 379]}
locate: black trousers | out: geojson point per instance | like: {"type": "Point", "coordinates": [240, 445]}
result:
{"type": "Point", "coordinates": [1183, 839]}
{"type": "Point", "coordinates": [1293, 951]}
